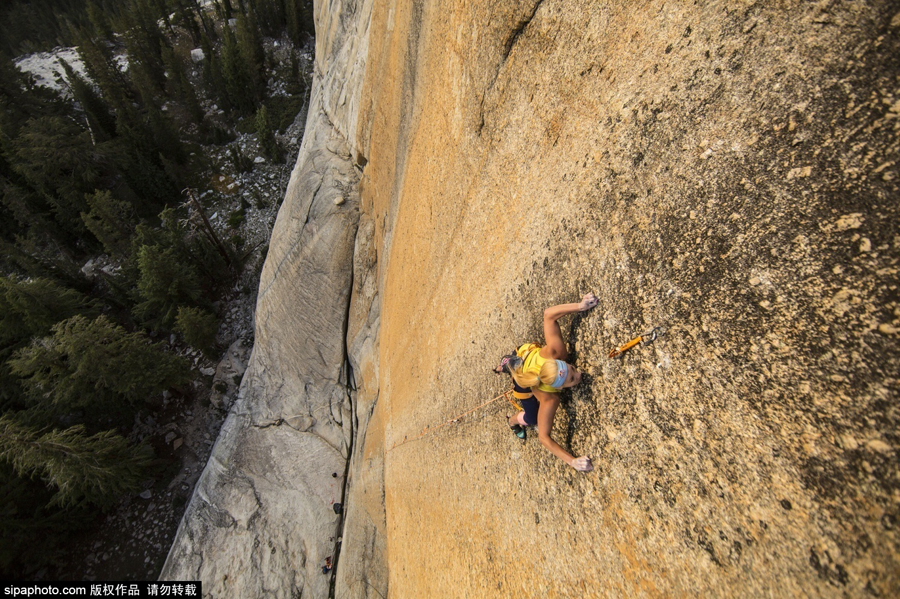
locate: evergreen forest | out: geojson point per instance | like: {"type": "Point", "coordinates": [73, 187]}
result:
{"type": "Point", "coordinates": [104, 172]}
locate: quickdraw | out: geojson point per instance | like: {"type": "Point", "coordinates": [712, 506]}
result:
{"type": "Point", "coordinates": [513, 401]}
{"type": "Point", "coordinates": [646, 338]}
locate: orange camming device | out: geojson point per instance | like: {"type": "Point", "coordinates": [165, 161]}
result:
{"type": "Point", "coordinates": [645, 338]}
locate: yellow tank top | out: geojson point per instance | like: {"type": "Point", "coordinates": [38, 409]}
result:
{"type": "Point", "coordinates": [531, 355]}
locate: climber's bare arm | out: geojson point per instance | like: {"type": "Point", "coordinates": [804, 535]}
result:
{"type": "Point", "coordinates": [554, 345]}
{"type": "Point", "coordinates": [549, 402]}
{"type": "Point", "coordinates": [546, 412]}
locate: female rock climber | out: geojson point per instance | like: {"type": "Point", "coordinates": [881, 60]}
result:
{"type": "Point", "coordinates": [539, 373]}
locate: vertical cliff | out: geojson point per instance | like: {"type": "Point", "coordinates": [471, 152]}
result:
{"type": "Point", "coordinates": [262, 518]}
{"type": "Point", "coordinates": [726, 172]}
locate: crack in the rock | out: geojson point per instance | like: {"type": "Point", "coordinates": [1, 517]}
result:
{"type": "Point", "coordinates": [300, 237]}
{"type": "Point", "coordinates": [350, 388]}
{"type": "Point", "coordinates": [519, 29]}
{"type": "Point", "coordinates": [256, 513]}
{"type": "Point", "coordinates": [269, 424]}
{"type": "Point", "coordinates": [508, 45]}
{"type": "Point", "coordinates": [199, 571]}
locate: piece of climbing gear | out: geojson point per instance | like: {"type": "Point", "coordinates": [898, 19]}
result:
{"type": "Point", "coordinates": [644, 339]}
{"type": "Point", "coordinates": [430, 429]}
{"type": "Point", "coordinates": [510, 395]}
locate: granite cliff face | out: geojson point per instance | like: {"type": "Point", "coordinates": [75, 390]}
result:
{"type": "Point", "coordinates": [726, 172]}
{"type": "Point", "coordinates": [262, 518]}
{"type": "Point", "coordinates": [266, 512]}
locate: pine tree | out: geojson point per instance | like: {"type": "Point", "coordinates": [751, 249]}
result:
{"type": "Point", "coordinates": [214, 259]}
{"type": "Point", "coordinates": [132, 154]}
{"type": "Point", "coordinates": [209, 26]}
{"type": "Point", "coordinates": [224, 8]}
{"type": "Point", "coordinates": [15, 104]}
{"type": "Point", "coordinates": [97, 468]}
{"type": "Point", "coordinates": [32, 256]}
{"type": "Point", "coordinates": [295, 84]}
{"type": "Point", "coordinates": [238, 80]}
{"type": "Point", "coordinates": [166, 144]}
{"type": "Point", "coordinates": [101, 122]}
{"type": "Point", "coordinates": [240, 161]}
{"type": "Point", "coordinates": [265, 136]}
{"type": "Point", "coordinates": [95, 364]}
{"type": "Point", "coordinates": [39, 25]}
{"type": "Point", "coordinates": [30, 308]}
{"type": "Point", "coordinates": [25, 516]}
{"type": "Point", "coordinates": [162, 11]}
{"type": "Point", "coordinates": [103, 70]}
{"type": "Point", "coordinates": [22, 100]}
{"type": "Point", "coordinates": [212, 73]}
{"type": "Point", "coordinates": [55, 156]}
{"type": "Point", "coordinates": [142, 134]}
{"type": "Point", "coordinates": [253, 54]}
{"type": "Point", "coordinates": [180, 87]}
{"type": "Point", "coordinates": [166, 282]}
{"type": "Point", "coordinates": [143, 42]}
{"type": "Point", "coordinates": [294, 22]}
{"type": "Point", "coordinates": [29, 211]}
{"type": "Point", "coordinates": [306, 17]}
{"type": "Point", "coordinates": [99, 21]}
{"type": "Point", "coordinates": [198, 327]}
{"type": "Point", "coordinates": [271, 16]}
{"type": "Point", "coordinates": [110, 221]}
{"type": "Point", "coordinates": [184, 12]}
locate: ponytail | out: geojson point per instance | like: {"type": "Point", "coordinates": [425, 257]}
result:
{"type": "Point", "coordinates": [527, 380]}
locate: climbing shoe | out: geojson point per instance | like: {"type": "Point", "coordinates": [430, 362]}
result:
{"type": "Point", "coordinates": [518, 431]}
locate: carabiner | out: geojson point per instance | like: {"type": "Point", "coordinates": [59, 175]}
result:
{"type": "Point", "coordinates": [649, 336]}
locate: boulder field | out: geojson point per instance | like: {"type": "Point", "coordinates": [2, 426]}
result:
{"type": "Point", "coordinates": [724, 172]}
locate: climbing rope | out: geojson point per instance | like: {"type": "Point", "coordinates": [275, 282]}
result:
{"type": "Point", "coordinates": [430, 429]}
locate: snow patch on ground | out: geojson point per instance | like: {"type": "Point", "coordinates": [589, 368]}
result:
{"type": "Point", "coordinates": [46, 69]}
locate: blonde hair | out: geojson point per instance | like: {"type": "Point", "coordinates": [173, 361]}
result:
{"type": "Point", "coordinates": [547, 375]}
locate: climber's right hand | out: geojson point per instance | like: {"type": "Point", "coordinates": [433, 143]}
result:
{"type": "Point", "coordinates": [582, 464]}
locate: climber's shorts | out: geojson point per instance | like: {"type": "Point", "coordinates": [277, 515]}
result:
{"type": "Point", "coordinates": [530, 406]}
{"type": "Point", "coordinates": [528, 402]}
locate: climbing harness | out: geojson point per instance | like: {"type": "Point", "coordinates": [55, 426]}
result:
{"type": "Point", "coordinates": [430, 429]}
{"type": "Point", "coordinates": [644, 339]}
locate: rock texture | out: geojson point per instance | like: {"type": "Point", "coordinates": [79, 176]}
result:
{"type": "Point", "coordinates": [727, 172]}
{"type": "Point", "coordinates": [262, 520]}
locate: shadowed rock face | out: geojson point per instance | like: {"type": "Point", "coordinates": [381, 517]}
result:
{"type": "Point", "coordinates": [727, 172]}
{"type": "Point", "coordinates": [261, 521]}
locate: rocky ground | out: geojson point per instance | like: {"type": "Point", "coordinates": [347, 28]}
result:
{"type": "Point", "coordinates": [131, 541]}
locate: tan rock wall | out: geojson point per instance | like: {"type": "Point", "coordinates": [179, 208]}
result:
{"type": "Point", "coordinates": [691, 164]}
